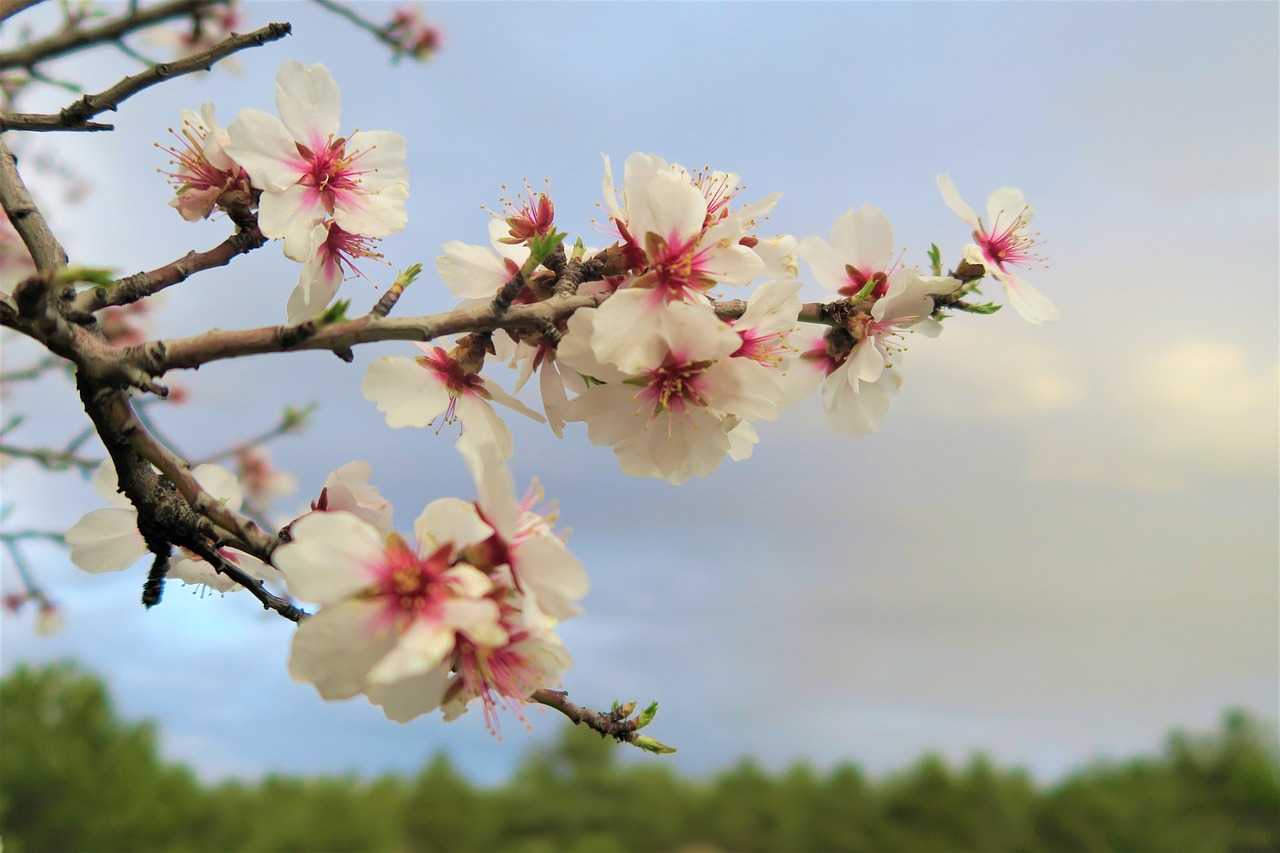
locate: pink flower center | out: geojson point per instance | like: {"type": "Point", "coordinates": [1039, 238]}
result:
{"type": "Point", "coordinates": [329, 173]}
{"type": "Point", "coordinates": [675, 386]}
{"type": "Point", "coordinates": [678, 267]}
{"type": "Point", "coordinates": [502, 676]}
{"type": "Point", "coordinates": [409, 586]}
{"type": "Point", "coordinates": [457, 381]}
{"type": "Point", "coordinates": [858, 279]}
{"type": "Point", "coordinates": [1008, 245]}
{"type": "Point", "coordinates": [758, 345]}
{"type": "Point", "coordinates": [341, 248]}
{"type": "Point", "coordinates": [194, 171]}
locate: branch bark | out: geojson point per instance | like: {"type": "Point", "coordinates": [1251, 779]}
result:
{"type": "Point", "coordinates": [77, 115]}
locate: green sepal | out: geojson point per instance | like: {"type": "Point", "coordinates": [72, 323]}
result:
{"type": "Point", "coordinates": [978, 307]}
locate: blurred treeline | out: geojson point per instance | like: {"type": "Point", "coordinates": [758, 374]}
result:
{"type": "Point", "coordinates": [73, 776]}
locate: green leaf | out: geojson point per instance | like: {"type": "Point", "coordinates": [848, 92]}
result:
{"type": "Point", "coordinates": [978, 307]}
{"type": "Point", "coordinates": [935, 259]}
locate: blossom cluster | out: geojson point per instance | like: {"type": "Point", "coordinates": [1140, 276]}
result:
{"type": "Point", "coordinates": [330, 198]}
{"type": "Point", "coordinates": [657, 372]}
{"type": "Point", "coordinates": [464, 612]}
{"type": "Point", "coordinates": [697, 333]}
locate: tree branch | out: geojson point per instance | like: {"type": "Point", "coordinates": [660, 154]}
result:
{"type": "Point", "coordinates": [157, 357]}
{"type": "Point", "coordinates": [144, 284]}
{"type": "Point", "coordinates": [27, 220]}
{"type": "Point", "coordinates": [77, 115]}
{"type": "Point", "coordinates": [13, 7]}
{"type": "Point", "coordinates": [74, 39]}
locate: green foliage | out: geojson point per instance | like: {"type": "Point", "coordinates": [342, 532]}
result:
{"type": "Point", "coordinates": [73, 776]}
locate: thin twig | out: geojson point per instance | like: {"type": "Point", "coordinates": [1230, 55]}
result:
{"type": "Point", "coordinates": [77, 115]}
{"type": "Point", "coordinates": [256, 587]}
{"type": "Point", "coordinates": [144, 284]}
{"type": "Point", "coordinates": [608, 724]}
{"type": "Point", "coordinates": [292, 421]}
{"type": "Point", "coordinates": [380, 33]}
{"type": "Point", "coordinates": [27, 220]}
{"type": "Point", "coordinates": [53, 460]}
{"type": "Point", "coordinates": [35, 371]}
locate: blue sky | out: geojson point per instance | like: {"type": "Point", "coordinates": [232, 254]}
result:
{"type": "Point", "coordinates": [1062, 542]}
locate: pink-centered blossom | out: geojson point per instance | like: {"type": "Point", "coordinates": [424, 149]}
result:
{"type": "Point", "coordinates": [664, 414]}
{"type": "Point", "coordinates": [332, 253]}
{"type": "Point", "coordinates": [202, 169]}
{"type": "Point", "coordinates": [414, 392]}
{"type": "Point", "coordinates": [1003, 244]}
{"type": "Point", "coordinates": [307, 172]}
{"type": "Point", "coordinates": [859, 250]}
{"type": "Point", "coordinates": [853, 406]}
{"type": "Point", "coordinates": [390, 612]}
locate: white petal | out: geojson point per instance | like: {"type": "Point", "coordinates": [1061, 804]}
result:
{"type": "Point", "coordinates": [335, 648]}
{"type": "Point", "coordinates": [106, 484]}
{"type": "Point", "coordinates": [449, 520]}
{"type": "Point", "coordinates": [420, 649]}
{"type": "Point", "coordinates": [403, 700]}
{"type": "Point", "coordinates": [958, 205]}
{"type": "Point", "coordinates": [1029, 302]}
{"type": "Point", "coordinates": [106, 540]}
{"type": "Point", "coordinates": [863, 239]}
{"type": "Point", "coordinates": [221, 485]}
{"type": "Point", "coordinates": [309, 103]}
{"type": "Point", "coordinates": [470, 272]}
{"type": "Point", "coordinates": [329, 556]}
{"type": "Point", "coordinates": [408, 393]}
{"type": "Point", "coordinates": [265, 149]}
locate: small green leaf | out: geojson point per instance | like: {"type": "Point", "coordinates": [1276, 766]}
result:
{"type": "Point", "coordinates": [540, 248]}
{"type": "Point", "coordinates": [648, 744]}
{"type": "Point", "coordinates": [935, 259]}
{"type": "Point", "coordinates": [97, 276]}
{"type": "Point", "coordinates": [408, 276]}
{"type": "Point", "coordinates": [978, 307]}
{"type": "Point", "coordinates": [335, 313]}
{"type": "Point", "coordinates": [647, 715]}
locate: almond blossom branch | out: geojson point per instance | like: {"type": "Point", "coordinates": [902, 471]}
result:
{"type": "Point", "coordinates": [624, 731]}
{"type": "Point", "coordinates": [157, 357]}
{"type": "Point", "coordinates": [75, 38]}
{"type": "Point", "coordinates": [77, 115]}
